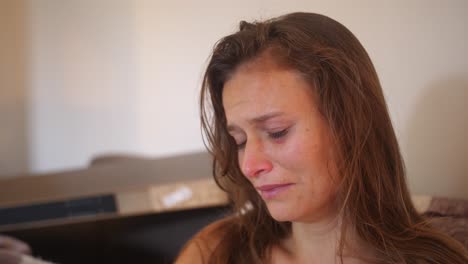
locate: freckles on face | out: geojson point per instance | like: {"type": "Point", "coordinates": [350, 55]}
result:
{"type": "Point", "coordinates": [283, 141]}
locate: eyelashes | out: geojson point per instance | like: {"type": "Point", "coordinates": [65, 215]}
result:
{"type": "Point", "coordinates": [241, 145]}
{"type": "Point", "coordinates": [273, 135]}
{"type": "Point", "coordinates": [279, 134]}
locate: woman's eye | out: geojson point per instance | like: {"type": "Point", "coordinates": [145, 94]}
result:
{"type": "Point", "coordinates": [278, 134]}
{"type": "Point", "coordinates": [239, 141]}
{"type": "Point", "coordinates": [241, 145]}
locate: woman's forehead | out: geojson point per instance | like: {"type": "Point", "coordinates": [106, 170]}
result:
{"type": "Point", "coordinates": [257, 91]}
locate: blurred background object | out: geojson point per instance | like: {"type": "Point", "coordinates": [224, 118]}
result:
{"type": "Point", "coordinates": [121, 209]}
{"type": "Point", "coordinates": [84, 78]}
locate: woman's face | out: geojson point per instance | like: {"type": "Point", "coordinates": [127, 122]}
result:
{"type": "Point", "coordinates": [283, 141]}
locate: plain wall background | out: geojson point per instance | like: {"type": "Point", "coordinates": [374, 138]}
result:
{"type": "Point", "coordinates": [14, 93]}
{"type": "Point", "coordinates": [82, 77]}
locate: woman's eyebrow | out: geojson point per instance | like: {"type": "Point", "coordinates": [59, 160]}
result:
{"type": "Point", "coordinates": [265, 117]}
{"type": "Point", "coordinates": [256, 120]}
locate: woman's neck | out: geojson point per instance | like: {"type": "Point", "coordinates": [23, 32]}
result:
{"type": "Point", "coordinates": [319, 242]}
{"type": "Point", "coordinates": [315, 242]}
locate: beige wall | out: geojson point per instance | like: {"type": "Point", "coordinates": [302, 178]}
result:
{"type": "Point", "coordinates": [123, 76]}
{"type": "Point", "coordinates": [83, 81]}
{"type": "Point", "coordinates": [14, 151]}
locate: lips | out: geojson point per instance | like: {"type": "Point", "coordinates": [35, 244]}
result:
{"type": "Point", "coordinates": [270, 191]}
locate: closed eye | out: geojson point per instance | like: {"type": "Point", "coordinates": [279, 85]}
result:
{"type": "Point", "coordinates": [241, 145]}
{"type": "Point", "coordinates": [239, 141]}
{"type": "Point", "coordinates": [279, 134]}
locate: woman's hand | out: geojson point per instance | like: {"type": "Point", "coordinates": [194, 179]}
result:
{"type": "Point", "coordinates": [12, 250]}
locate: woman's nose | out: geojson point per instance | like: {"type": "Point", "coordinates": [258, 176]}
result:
{"type": "Point", "coordinates": [254, 160]}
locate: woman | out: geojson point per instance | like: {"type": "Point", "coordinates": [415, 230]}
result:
{"type": "Point", "coordinates": [303, 144]}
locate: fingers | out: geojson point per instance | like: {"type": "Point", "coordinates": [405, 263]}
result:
{"type": "Point", "coordinates": [9, 257]}
{"type": "Point", "coordinates": [14, 245]}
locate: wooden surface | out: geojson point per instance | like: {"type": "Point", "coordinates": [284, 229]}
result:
{"type": "Point", "coordinates": [104, 179]}
{"type": "Point", "coordinates": [140, 186]}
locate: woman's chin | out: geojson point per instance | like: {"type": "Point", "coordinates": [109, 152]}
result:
{"type": "Point", "coordinates": [282, 214]}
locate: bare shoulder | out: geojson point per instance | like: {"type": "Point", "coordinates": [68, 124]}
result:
{"type": "Point", "coordinates": [201, 246]}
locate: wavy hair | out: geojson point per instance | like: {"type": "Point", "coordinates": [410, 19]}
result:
{"type": "Point", "coordinates": [372, 188]}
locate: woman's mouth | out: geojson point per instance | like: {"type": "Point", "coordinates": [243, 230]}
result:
{"type": "Point", "coordinates": [270, 191]}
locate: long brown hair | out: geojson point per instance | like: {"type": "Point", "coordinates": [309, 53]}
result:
{"type": "Point", "coordinates": [372, 188]}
